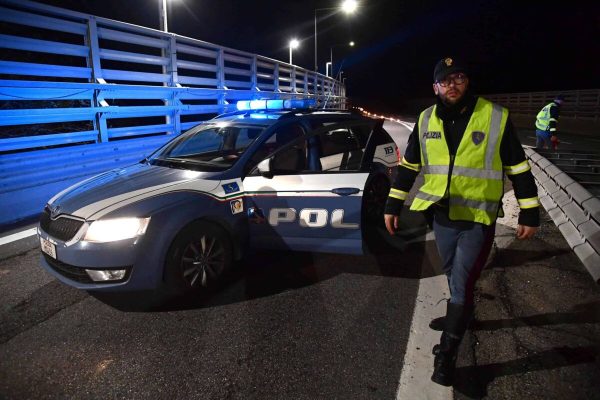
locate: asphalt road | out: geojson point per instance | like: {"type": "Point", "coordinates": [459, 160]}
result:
{"type": "Point", "coordinates": [286, 325]}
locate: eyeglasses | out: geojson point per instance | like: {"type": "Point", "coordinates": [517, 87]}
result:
{"type": "Point", "coordinates": [458, 79]}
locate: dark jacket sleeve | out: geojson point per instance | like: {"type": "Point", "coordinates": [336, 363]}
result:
{"type": "Point", "coordinates": [409, 168]}
{"type": "Point", "coordinates": [517, 168]}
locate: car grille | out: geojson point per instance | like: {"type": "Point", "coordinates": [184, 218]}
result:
{"type": "Point", "coordinates": [76, 274]}
{"type": "Point", "coordinates": [62, 228]}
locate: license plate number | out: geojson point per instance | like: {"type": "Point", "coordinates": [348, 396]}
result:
{"type": "Point", "coordinates": [48, 247]}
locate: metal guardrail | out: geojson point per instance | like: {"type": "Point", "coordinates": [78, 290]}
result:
{"type": "Point", "coordinates": [28, 180]}
{"type": "Point", "coordinates": [100, 73]}
{"type": "Point", "coordinates": [579, 104]}
{"type": "Point", "coordinates": [572, 207]}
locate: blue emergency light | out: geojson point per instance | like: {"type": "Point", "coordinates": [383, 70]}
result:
{"type": "Point", "coordinates": [275, 104]}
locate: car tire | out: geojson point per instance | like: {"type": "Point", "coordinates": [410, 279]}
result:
{"type": "Point", "coordinates": [199, 257]}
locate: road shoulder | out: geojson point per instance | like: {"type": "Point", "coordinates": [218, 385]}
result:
{"type": "Point", "coordinates": [537, 323]}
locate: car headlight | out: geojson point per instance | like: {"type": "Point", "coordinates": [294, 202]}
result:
{"type": "Point", "coordinates": [111, 230]}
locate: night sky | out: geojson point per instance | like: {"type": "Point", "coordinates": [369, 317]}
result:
{"type": "Point", "coordinates": [510, 46]}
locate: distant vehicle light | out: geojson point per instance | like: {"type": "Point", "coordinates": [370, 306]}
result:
{"type": "Point", "coordinates": [275, 104]}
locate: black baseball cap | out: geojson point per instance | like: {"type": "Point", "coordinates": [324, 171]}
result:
{"type": "Point", "coordinates": [447, 66]}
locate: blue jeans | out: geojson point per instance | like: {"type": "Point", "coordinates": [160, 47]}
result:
{"type": "Point", "coordinates": [464, 251]}
{"type": "Point", "coordinates": [542, 139]}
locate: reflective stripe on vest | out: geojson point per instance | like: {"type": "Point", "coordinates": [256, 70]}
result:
{"type": "Point", "coordinates": [475, 186]}
{"type": "Point", "coordinates": [542, 120]}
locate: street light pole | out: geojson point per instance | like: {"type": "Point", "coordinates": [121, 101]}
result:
{"type": "Point", "coordinates": [162, 15]}
{"type": "Point", "coordinates": [294, 43]}
{"type": "Point", "coordinates": [316, 65]}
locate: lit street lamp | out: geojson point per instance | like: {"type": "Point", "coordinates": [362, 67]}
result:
{"type": "Point", "coordinates": [294, 43]}
{"type": "Point", "coordinates": [348, 6]}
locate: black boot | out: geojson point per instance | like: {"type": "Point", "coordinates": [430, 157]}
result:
{"type": "Point", "coordinates": [437, 324]}
{"type": "Point", "coordinates": [455, 325]}
{"type": "Point", "coordinates": [445, 360]}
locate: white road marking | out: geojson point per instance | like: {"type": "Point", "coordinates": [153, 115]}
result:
{"type": "Point", "coordinates": [17, 236]}
{"type": "Point", "coordinates": [415, 379]}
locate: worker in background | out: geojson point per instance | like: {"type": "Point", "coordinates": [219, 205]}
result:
{"type": "Point", "coordinates": [545, 125]}
{"type": "Point", "coordinates": [464, 145]}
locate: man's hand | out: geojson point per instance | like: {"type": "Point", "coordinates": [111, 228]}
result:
{"type": "Point", "coordinates": [391, 223]}
{"type": "Point", "coordinates": [523, 231]}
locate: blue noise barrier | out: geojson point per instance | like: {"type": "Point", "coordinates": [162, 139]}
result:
{"type": "Point", "coordinates": [80, 94]}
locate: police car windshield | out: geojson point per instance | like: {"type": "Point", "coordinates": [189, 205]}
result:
{"type": "Point", "coordinates": [213, 146]}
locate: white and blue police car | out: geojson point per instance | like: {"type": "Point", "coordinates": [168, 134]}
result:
{"type": "Point", "coordinates": [265, 176]}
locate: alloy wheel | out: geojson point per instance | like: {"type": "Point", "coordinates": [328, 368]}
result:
{"type": "Point", "coordinates": [202, 260]}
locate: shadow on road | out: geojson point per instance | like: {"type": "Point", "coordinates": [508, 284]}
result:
{"type": "Point", "coordinates": [473, 381]}
{"type": "Point", "coordinates": [588, 313]}
{"type": "Point", "coordinates": [266, 273]}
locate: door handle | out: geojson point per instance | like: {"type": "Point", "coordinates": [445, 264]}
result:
{"type": "Point", "coordinates": [345, 191]}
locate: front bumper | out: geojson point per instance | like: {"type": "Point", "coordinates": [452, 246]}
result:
{"type": "Point", "coordinates": [141, 262]}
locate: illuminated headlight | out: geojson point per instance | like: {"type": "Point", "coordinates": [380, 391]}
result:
{"type": "Point", "coordinates": [111, 230]}
{"type": "Point", "coordinates": [103, 275]}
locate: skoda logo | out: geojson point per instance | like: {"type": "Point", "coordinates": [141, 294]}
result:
{"type": "Point", "coordinates": [54, 210]}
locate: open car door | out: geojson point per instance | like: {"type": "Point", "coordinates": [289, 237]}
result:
{"type": "Point", "coordinates": [308, 195]}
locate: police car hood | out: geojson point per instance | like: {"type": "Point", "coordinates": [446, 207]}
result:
{"type": "Point", "coordinates": [93, 197]}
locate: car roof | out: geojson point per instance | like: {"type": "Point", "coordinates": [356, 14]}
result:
{"type": "Point", "coordinates": [269, 117]}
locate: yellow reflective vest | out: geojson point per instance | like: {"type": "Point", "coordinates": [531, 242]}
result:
{"type": "Point", "coordinates": [543, 118]}
{"type": "Point", "coordinates": [472, 180]}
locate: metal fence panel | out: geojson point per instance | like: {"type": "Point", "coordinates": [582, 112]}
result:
{"type": "Point", "coordinates": [98, 85]}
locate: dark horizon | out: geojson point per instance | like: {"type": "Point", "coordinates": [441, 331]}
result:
{"type": "Point", "coordinates": [509, 46]}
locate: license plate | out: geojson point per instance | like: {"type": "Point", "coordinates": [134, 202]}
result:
{"type": "Point", "coordinates": [48, 247]}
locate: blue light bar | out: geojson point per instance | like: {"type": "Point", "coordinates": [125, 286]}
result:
{"type": "Point", "coordinates": [274, 104]}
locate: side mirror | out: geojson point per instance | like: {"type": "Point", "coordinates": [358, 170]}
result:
{"type": "Point", "coordinates": [264, 168]}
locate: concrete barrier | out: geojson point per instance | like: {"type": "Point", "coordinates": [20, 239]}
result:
{"type": "Point", "coordinates": [574, 210]}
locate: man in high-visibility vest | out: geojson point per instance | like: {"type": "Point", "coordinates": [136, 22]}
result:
{"type": "Point", "coordinates": [464, 145]}
{"type": "Point", "coordinates": [545, 124]}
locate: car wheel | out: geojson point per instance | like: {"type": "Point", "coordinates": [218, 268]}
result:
{"type": "Point", "coordinates": [199, 256]}
{"type": "Point", "coordinates": [376, 195]}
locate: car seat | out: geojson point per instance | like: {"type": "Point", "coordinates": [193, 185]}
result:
{"type": "Point", "coordinates": [291, 159]}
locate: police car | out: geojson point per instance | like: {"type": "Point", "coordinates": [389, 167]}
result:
{"type": "Point", "coordinates": [270, 175]}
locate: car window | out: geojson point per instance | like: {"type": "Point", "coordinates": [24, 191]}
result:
{"type": "Point", "coordinates": [342, 149]}
{"type": "Point", "coordinates": [332, 148]}
{"type": "Point", "coordinates": [295, 159]}
{"type": "Point", "coordinates": [215, 145]}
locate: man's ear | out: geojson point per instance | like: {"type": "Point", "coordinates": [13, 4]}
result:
{"type": "Point", "coordinates": [435, 89]}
